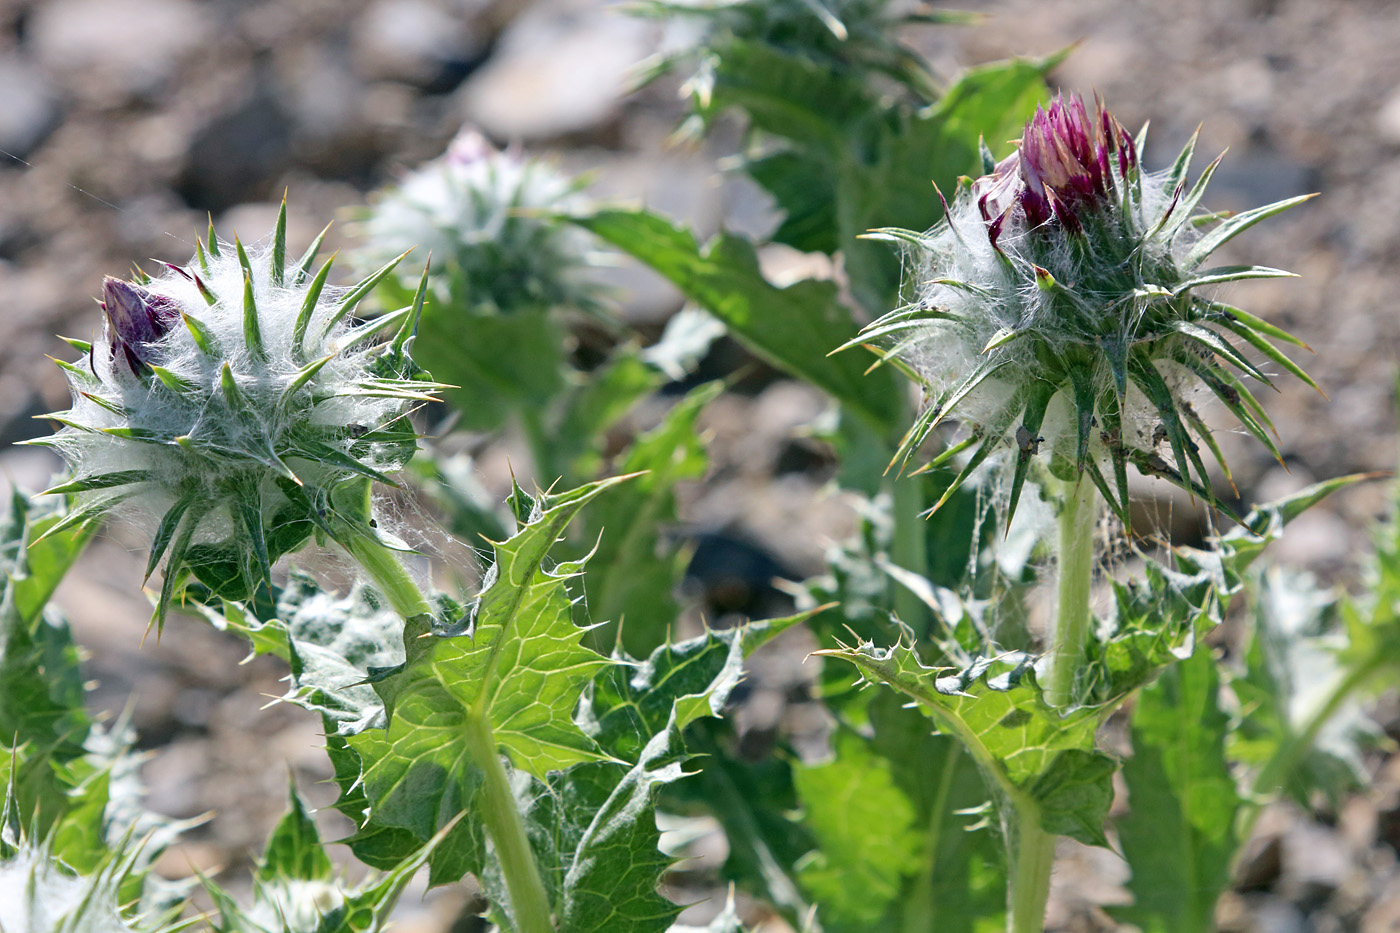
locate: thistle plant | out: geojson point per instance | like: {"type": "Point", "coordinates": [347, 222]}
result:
{"type": "Point", "coordinates": [1063, 305]}
{"type": "Point", "coordinates": [503, 264]}
{"type": "Point", "coordinates": [1062, 310]}
{"type": "Point", "coordinates": [481, 213]}
{"type": "Point", "coordinates": [237, 398]}
{"type": "Point", "coordinates": [855, 36]}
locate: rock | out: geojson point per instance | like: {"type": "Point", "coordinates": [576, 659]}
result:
{"type": "Point", "coordinates": [1315, 863]}
{"type": "Point", "coordinates": [557, 70]}
{"type": "Point", "coordinates": [234, 156]}
{"type": "Point", "coordinates": [27, 468]}
{"type": "Point", "coordinates": [30, 112]}
{"type": "Point", "coordinates": [416, 42]}
{"type": "Point", "coordinates": [1388, 119]}
{"type": "Point", "coordinates": [108, 50]}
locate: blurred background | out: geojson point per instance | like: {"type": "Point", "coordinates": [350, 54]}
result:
{"type": "Point", "coordinates": [125, 124]}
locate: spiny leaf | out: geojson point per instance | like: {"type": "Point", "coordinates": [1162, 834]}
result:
{"type": "Point", "coordinates": [1221, 274]}
{"type": "Point", "coordinates": [517, 665]}
{"type": "Point", "coordinates": [1256, 324]}
{"type": "Point", "coordinates": [794, 328]}
{"type": "Point", "coordinates": [101, 481]}
{"type": "Point", "coordinates": [303, 264]}
{"type": "Point", "coordinates": [203, 336]}
{"type": "Point", "coordinates": [1179, 838]}
{"type": "Point", "coordinates": [1236, 224]}
{"type": "Point", "coordinates": [277, 260]}
{"type": "Point", "coordinates": [360, 290]}
{"type": "Point", "coordinates": [308, 308]}
{"type": "Point", "coordinates": [410, 324]}
{"type": "Point", "coordinates": [165, 532]}
{"type": "Point", "coordinates": [1028, 441]}
{"type": "Point", "coordinates": [252, 331]}
{"type": "Point", "coordinates": [1272, 352]}
{"type": "Point", "coordinates": [1030, 751]}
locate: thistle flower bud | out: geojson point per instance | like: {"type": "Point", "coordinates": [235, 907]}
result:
{"type": "Point", "coordinates": [1060, 171]}
{"type": "Point", "coordinates": [238, 399]}
{"type": "Point", "coordinates": [480, 213]}
{"type": "Point", "coordinates": [1062, 309]}
{"type": "Point", "coordinates": [136, 316]}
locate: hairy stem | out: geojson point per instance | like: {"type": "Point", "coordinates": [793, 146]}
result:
{"type": "Point", "coordinates": [528, 900]}
{"type": "Point", "coordinates": [908, 549]}
{"type": "Point", "coordinates": [1031, 851]}
{"type": "Point", "coordinates": [1076, 573]}
{"type": "Point", "coordinates": [387, 571]}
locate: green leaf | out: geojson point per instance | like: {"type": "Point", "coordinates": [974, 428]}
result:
{"type": "Point", "coordinates": [603, 829]}
{"type": "Point", "coordinates": [792, 328]}
{"type": "Point", "coordinates": [960, 884]}
{"type": "Point", "coordinates": [685, 681]}
{"type": "Point", "coordinates": [498, 362]}
{"type": "Point", "coordinates": [1019, 740]}
{"type": "Point", "coordinates": [1180, 836]}
{"type": "Point", "coordinates": [38, 543]}
{"type": "Point", "coordinates": [1220, 274]}
{"type": "Point", "coordinates": [867, 836]}
{"type": "Point", "coordinates": [296, 890]}
{"type": "Point", "coordinates": [41, 685]}
{"type": "Point", "coordinates": [294, 849]}
{"type": "Point", "coordinates": [518, 665]}
{"type": "Point", "coordinates": [611, 883]}
{"type": "Point", "coordinates": [752, 801]}
{"type": "Point", "coordinates": [636, 566]}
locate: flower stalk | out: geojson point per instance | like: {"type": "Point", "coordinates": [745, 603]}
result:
{"type": "Point", "coordinates": [529, 900]}
{"type": "Point", "coordinates": [1031, 852]}
{"type": "Point", "coordinates": [1073, 619]}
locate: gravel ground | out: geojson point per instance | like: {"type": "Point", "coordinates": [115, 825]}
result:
{"type": "Point", "coordinates": [124, 123]}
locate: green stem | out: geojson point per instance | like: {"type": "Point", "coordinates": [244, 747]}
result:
{"type": "Point", "coordinates": [387, 571]}
{"type": "Point", "coordinates": [1076, 569]}
{"type": "Point", "coordinates": [908, 548]}
{"type": "Point", "coordinates": [498, 812]}
{"type": "Point", "coordinates": [1031, 851]}
{"type": "Point", "coordinates": [528, 899]}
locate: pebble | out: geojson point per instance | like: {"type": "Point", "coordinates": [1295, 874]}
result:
{"type": "Point", "coordinates": [1388, 119]}
{"type": "Point", "coordinates": [414, 41]}
{"type": "Point", "coordinates": [30, 112]}
{"type": "Point", "coordinates": [109, 50]}
{"type": "Point", "coordinates": [556, 70]}
{"type": "Point", "coordinates": [238, 152]}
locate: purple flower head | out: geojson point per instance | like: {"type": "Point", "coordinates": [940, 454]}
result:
{"type": "Point", "coordinates": [137, 319]}
{"type": "Point", "coordinates": [468, 147]}
{"type": "Point", "coordinates": [1061, 169]}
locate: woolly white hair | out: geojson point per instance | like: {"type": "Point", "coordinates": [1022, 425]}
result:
{"type": "Point", "coordinates": [334, 400]}
{"type": "Point", "coordinates": [1006, 296]}
{"type": "Point", "coordinates": [233, 397]}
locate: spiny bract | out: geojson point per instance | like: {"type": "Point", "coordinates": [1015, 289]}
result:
{"type": "Point", "coordinates": [41, 894]}
{"type": "Point", "coordinates": [479, 213]}
{"type": "Point", "coordinates": [238, 398]}
{"type": "Point", "coordinates": [1062, 303]}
